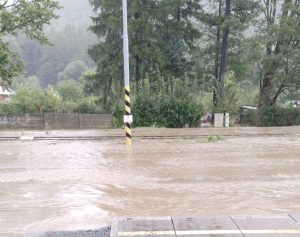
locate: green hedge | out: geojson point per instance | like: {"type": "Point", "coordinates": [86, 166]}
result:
{"type": "Point", "coordinates": [16, 108]}
{"type": "Point", "coordinates": [145, 113]}
{"type": "Point", "coordinates": [12, 108]}
{"type": "Point", "coordinates": [177, 113]}
{"type": "Point", "coordinates": [250, 118]}
{"type": "Point", "coordinates": [171, 113]}
{"type": "Point", "coordinates": [272, 117]}
{"type": "Point", "coordinates": [163, 103]}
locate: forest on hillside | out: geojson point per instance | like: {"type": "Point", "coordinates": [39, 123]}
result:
{"type": "Point", "coordinates": [66, 57]}
{"type": "Point", "coordinates": [187, 57]}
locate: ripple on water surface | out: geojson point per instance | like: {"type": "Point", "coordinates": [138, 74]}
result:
{"type": "Point", "coordinates": [69, 185]}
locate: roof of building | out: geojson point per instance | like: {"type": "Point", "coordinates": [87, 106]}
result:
{"type": "Point", "coordinates": [248, 107]}
{"type": "Point", "coordinates": [5, 91]}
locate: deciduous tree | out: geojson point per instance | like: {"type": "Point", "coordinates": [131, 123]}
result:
{"type": "Point", "coordinates": [279, 37]}
{"type": "Point", "coordinates": [28, 17]}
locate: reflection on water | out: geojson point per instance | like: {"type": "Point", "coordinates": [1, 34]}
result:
{"type": "Point", "coordinates": [70, 185]}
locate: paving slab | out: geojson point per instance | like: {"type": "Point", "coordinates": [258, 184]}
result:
{"type": "Point", "coordinates": [206, 226]}
{"type": "Point", "coordinates": [222, 226]}
{"type": "Point", "coordinates": [296, 217]}
{"type": "Point", "coordinates": [150, 227]}
{"type": "Point", "coordinates": [267, 226]}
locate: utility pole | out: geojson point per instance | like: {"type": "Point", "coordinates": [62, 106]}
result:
{"type": "Point", "coordinates": [127, 117]}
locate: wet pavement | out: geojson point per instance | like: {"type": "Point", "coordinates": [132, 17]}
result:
{"type": "Point", "coordinates": [58, 185]}
{"type": "Point", "coordinates": [229, 226]}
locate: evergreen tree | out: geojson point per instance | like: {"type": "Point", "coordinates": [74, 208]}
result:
{"type": "Point", "coordinates": [179, 34]}
{"type": "Point", "coordinates": [224, 22]}
{"type": "Point", "coordinates": [107, 54]}
{"type": "Point", "coordinates": [161, 37]}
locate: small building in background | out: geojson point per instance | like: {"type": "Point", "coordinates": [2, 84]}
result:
{"type": "Point", "coordinates": [5, 93]}
{"type": "Point", "coordinates": [296, 103]}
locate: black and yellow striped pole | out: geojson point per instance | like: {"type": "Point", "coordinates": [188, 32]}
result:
{"type": "Point", "coordinates": [128, 116]}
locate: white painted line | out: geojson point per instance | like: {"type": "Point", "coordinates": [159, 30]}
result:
{"type": "Point", "coordinates": [284, 231]}
{"type": "Point", "coordinates": [209, 232]}
{"type": "Point", "coordinates": [260, 217]}
{"type": "Point", "coordinates": [145, 233]}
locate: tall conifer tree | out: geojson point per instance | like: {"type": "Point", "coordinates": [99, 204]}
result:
{"type": "Point", "coordinates": [161, 37]}
{"type": "Point", "coordinates": [224, 22]}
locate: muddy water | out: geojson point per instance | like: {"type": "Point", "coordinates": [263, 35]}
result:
{"type": "Point", "coordinates": [70, 185]}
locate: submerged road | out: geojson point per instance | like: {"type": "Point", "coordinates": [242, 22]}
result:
{"type": "Point", "coordinates": [150, 133]}
{"type": "Point", "coordinates": [68, 185]}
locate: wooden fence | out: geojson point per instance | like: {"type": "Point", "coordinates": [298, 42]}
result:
{"type": "Point", "coordinates": [55, 121]}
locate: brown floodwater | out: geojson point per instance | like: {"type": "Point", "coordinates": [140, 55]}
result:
{"type": "Point", "coordinates": [71, 185]}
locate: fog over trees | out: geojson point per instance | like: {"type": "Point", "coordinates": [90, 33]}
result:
{"type": "Point", "coordinates": [210, 54]}
{"type": "Point", "coordinates": [69, 38]}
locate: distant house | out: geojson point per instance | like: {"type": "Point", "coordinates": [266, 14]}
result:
{"type": "Point", "coordinates": [5, 93]}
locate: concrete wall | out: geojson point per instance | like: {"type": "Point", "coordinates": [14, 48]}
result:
{"type": "Point", "coordinates": [91, 121]}
{"type": "Point", "coordinates": [219, 120]}
{"type": "Point", "coordinates": [55, 121]}
{"type": "Point", "coordinates": [61, 121]}
{"type": "Point", "coordinates": [78, 121]}
{"type": "Point", "coordinates": [22, 121]}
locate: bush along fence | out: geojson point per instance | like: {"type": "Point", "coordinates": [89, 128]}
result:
{"type": "Point", "coordinates": [169, 103]}
{"type": "Point", "coordinates": [55, 121]}
{"type": "Point", "coordinates": [272, 117]}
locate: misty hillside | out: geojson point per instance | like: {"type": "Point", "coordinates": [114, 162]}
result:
{"type": "Point", "coordinates": [70, 39]}
{"type": "Point", "coordinates": [76, 12]}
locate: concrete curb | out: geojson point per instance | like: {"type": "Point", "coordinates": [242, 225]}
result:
{"type": "Point", "coordinates": [103, 232]}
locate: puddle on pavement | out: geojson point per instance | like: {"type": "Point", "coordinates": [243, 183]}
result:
{"type": "Point", "coordinates": [71, 185]}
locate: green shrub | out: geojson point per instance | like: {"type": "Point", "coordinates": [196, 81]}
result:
{"type": "Point", "coordinates": [30, 98]}
{"type": "Point", "coordinates": [12, 108]}
{"type": "Point", "coordinates": [167, 103]}
{"type": "Point", "coordinates": [172, 114]}
{"type": "Point", "coordinates": [250, 118]}
{"type": "Point", "coordinates": [87, 108]}
{"type": "Point", "coordinates": [118, 113]}
{"type": "Point", "coordinates": [212, 138]}
{"type": "Point", "coordinates": [177, 113]}
{"type": "Point", "coordinates": [195, 113]}
{"type": "Point", "coordinates": [272, 116]}
{"type": "Point", "coordinates": [145, 113]}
